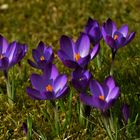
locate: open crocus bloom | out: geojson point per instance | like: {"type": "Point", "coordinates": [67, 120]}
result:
{"type": "Point", "coordinates": [10, 54]}
{"type": "Point", "coordinates": [42, 56]}
{"type": "Point", "coordinates": [92, 29]}
{"type": "Point", "coordinates": [81, 79]}
{"type": "Point", "coordinates": [49, 86]}
{"type": "Point", "coordinates": [76, 54]}
{"type": "Point", "coordinates": [114, 37]}
{"type": "Point", "coordinates": [102, 95]}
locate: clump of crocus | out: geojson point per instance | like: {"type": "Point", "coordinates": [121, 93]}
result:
{"type": "Point", "coordinates": [80, 79]}
{"type": "Point", "coordinates": [92, 29]}
{"type": "Point", "coordinates": [42, 56]}
{"type": "Point", "coordinates": [125, 112]}
{"type": "Point", "coordinates": [76, 54]}
{"type": "Point", "coordinates": [10, 54]}
{"type": "Point", "coordinates": [102, 95]}
{"type": "Point", "coordinates": [114, 37]}
{"type": "Point", "coordinates": [49, 86]}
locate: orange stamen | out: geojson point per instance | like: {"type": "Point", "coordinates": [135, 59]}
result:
{"type": "Point", "coordinates": [101, 97]}
{"type": "Point", "coordinates": [116, 37]}
{"type": "Point", "coordinates": [1, 56]}
{"type": "Point", "coordinates": [42, 58]}
{"type": "Point", "coordinates": [77, 57]}
{"type": "Point", "coordinates": [49, 88]}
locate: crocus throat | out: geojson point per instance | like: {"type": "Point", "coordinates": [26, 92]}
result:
{"type": "Point", "coordinates": [101, 97]}
{"type": "Point", "coordinates": [116, 37]}
{"type": "Point", "coordinates": [77, 57]}
{"type": "Point", "coordinates": [49, 88]}
{"type": "Point", "coordinates": [1, 56]}
{"type": "Point", "coordinates": [42, 58]}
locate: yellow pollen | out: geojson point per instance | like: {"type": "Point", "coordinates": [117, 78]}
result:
{"type": "Point", "coordinates": [1, 56]}
{"type": "Point", "coordinates": [49, 88]}
{"type": "Point", "coordinates": [42, 58]}
{"type": "Point", "coordinates": [101, 97]}
{"type": "Point", "coordinates": [116, 37]}
{"type": "Point", "coordinates": [77, 57]}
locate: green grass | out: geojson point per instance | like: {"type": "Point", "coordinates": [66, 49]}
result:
{"type": "Point", "coordinates": [46, 20]}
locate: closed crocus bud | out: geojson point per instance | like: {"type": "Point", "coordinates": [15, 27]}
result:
{"type": "Point", "coordinates": [125, 112]}
{"type": "Point", "coordinates": [92, 29]}
{"type": "Point", "coordinates": [24, 126]}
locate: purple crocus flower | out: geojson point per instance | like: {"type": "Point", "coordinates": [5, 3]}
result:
{"type": "Point", "coordinates": [10, 54]}
{"type": "Point", "coordinates": [80, 79]}
{"type": "Point", "coordinates": [102, 95]}
{"type": "Point", "coordinates": [92, 29]}
{"type": "Point", "coordinates": [42, 56]}
{"type": "Point", "coordinates": [114, 37]}
{"type": "Point", "coordinates": [49, 86]}
{"type": "Point", "coordinates": [125, 112]}
{"type": "Point", "coordinates": [76, 54]}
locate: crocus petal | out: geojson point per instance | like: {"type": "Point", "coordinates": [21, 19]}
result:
{"type": "Point", "coordinates": [60, 82]}
{"type": "Point", "coordinates": [121, 42]}
{"type": "Point", "coordinates": [83, 62]}
{"type": "Point", "coordinates": [113, 94]}
{"type": "Point", "coordinates": [94, 51]}
{"type": "Point", "coordinates": [92, 101]}
{"type": "Point", "coordinates": [124, 30]}
{"type": "Point", "coordinates": [63, 56]}
{"type": "Point", "coordinates": [3, 45]}
{"type": "Point", "coordinates": [49, 95]}
{"type": "Point", "coordinates": [36, 55]}
{"type": "Point", "coordinates": [96, 88]}
{"type": "Point", "coordinates": [80, 84]}
{"type": "Point", "coordinates": [111, 42]}
{"type": "Point", "coordinates": [91, 23]}
{"type": "Point", "coordinates": [110, 27]}
{"type": "Point", "coordinates": [4, 63]}
{"type": "Point", "coordinates": [11, 50]}
{"type": "Point", "coordinates": [48, 54]}
{"type": "Point", "coordinates": [130, 38]}
{"type": "Point", "coordinates": [32, 63]}
{"type": "Point", "coordinates": [109, 81]}
{"type": "Point", "coordinates": [67, 46]}
{"type": "Point", "coordinates": [70, 64]}
{"type": "Point", "coordinates": [50, 72]}
{"type": "Point", "coordinates": [38, 82]}
{"type": "Point", "coordinates": [41, 46]}
{"type": "Point", "coordinates": [62, 92]}
{"type": "Point", "coordinates": [35, 94]}
{"type": "Point", "coordinates": [83, 45]}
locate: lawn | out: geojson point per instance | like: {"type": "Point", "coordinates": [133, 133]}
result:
{"type": "Point", "coordinates": [33, 21]}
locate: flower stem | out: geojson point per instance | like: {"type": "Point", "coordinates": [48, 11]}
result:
{"type": "Point", "coordinates": [81, 114]}
{"type": "Point", "coordinates": [107, 127]}
{"type": "Point", "coordinates": [112, 64]}
{"type": "Point", "coordinates": [8, 86]}
{"type": "Point", "coordinates": [56, 117]}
